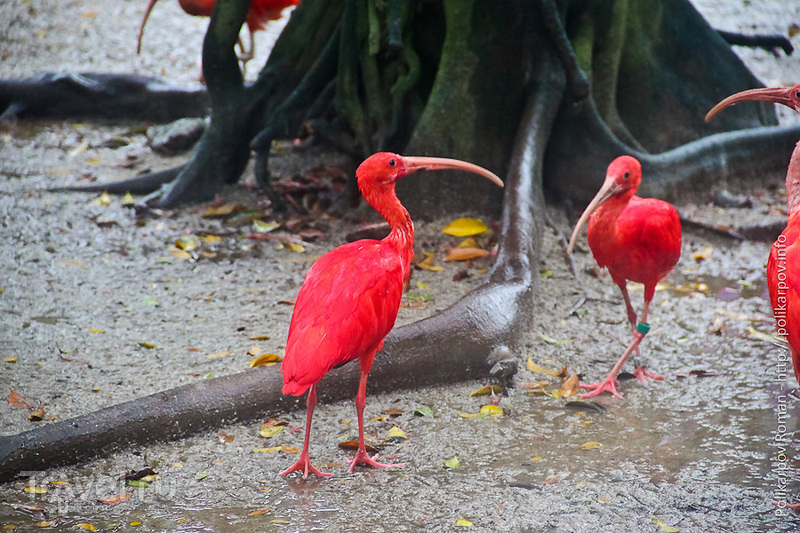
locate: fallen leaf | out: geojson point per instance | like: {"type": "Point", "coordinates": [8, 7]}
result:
{"type": "Point", "coordinates": [138, 483]}
{"type": "Point", "coordinates": [552, 340]}
{"type": "Point", "coordinates": [119, 498]}
{"type": "Point", "coordinates": [258, 512]}
{"type": "Point", "coordinates": [127, 199]}
{"type": "Point", "coordinates": [217, 355]}
{"type": "Point", "coordinates": [465, 254]}
{"type": "Point", "coordinates": [702, 255]}
{"type": "Point", "coordinates": [465, 227]}
{"type": "Point", "coordinates": [266, 359]}
{"type": "Point", "coordinates": [259, 338]}
{"type": "Point", "coordinates": [423, 411]}
{"type": "Point", "coordinates": [274, 449]}
{"type": "Point", "coordinates": [665, 527]}
{"type": "Point", "coordinates": [32, 489]}
{"type": "Point", "coordinates": [10, 359]}
{"type": "Point", "coordinates": [463, 522]}
{"type": "Point", "coordinates": [353, 445]}
{"type": "Point", "coordinates": [17, 401]}
{"type": "Point", "coordinates": [533, 367]}
{"type": "Point", "coordinates": [603, 499]}
{"type": "Point", "coordinates": [187, 243]}
{"type": "Point", "coordinates": [393, 411]}
{"type": "Point", "coordinates": [150, 301]}
{"type": "Point", "coordinates": [177, 253]}
{"type": "Point", "coordinates": [486, 410]}
{"type": "Point", "coordinates": [422, 286]}
{"type": "Point", "coordinates": [259, 226]}
{"type": "Point", "coordinates": [86, 526]}
{"type": "Point", "coordinates": [224, 438]}
{"type": "Point", "coordinates": [104, 200]}
{"type": "Point", "coordinates": [210, 239]}
{"type": "Point", "coordinates": [96, 330]}
{"type": "Point", "coordinates": [760, 335]}
{"type": "Point", "coordinates": [570, 387]}
{"type": "Point", "coordinates": [452, 462]}
{"type": "Point", "coordinates": [397, 433]}
{"type": "Point", "coordinates": [221, 210]}
{"type": "Point", "coordinates": [37, 415]}
{"type": "Point", "coordinates": [427, 263]}
{"type": "Point", "coordinates": [200, 475]}
{"type": "Point", "coordinates": [591, 445]}
{"type": "Point", "coordinates": [487, 390]}
{"type": "Point", "coordinates": [148, 345]}
{"type": "Point", "coordinates": [268, 431]}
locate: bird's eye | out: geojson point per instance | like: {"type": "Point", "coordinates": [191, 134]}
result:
{"type": "Point", "coordinates": [626, 175]}
{"type": "Point", "coordinates": [797, 94]}
{"type": "Point", "coordinates": [392, 162]}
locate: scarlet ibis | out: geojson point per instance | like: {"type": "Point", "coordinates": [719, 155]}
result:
{"type": "Point", "coordinates": [637, 239]}
{"type": "Point", "coordinates": [349, 300]}
{"type": "Point", "coordinates": [783, 265]}
{"type": "Point", "coordinates": [261, 12]}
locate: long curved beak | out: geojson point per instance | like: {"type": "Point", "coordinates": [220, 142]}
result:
{"type": "Point", "coordinates": [415, 164]}
{"type": "Point", "coordinates": [777, 95]}
{"type": "Point", "coordinates": [144, 21]}
{"type": "Point", "coordinates": [606, 191]}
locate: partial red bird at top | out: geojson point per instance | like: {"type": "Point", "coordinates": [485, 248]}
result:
{"type": "Point", "coordinates": [783, 265]}
{"type": "Point", "coordinates": [261, 12]}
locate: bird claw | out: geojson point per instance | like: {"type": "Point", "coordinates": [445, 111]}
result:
{"type": "Point", "coordinates": [607, 385]}
{"type": "Point", "coordinates": [362, 458]}
{"type": "Point", "coordinates": [304, 465]}
{"type": "Point", "coordinates": [643, 374]}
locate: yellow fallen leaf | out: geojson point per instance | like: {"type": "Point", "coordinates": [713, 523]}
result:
{"type": "Point", "coordinates": [296, 248]}
{"type": "Point", "coordinates": [491, 410]}
{"type": "Point", "coordinates": [103, 199]}
{"type": "Point", "coordinates": [221, 210]}
{"type": "Point", "coordinates": [217, 355]}
{"type": "Point", "coordinates": [427, 262]}
{"type": "Point", "coordinates": [377, 418]}
{"type": "Point", "coordinates": [465, 227]}
{"type": "Point", "coordinates": [266, 359]}
{"type": "Point", "coordinates": [10, 359]}
{"type": "Point", "coordinates": [270, 431]}
{"type": "Point", "coordinates": [603, 499]}
{"type": "Point", "coordinates": [463, 522]}
{"type": "Point", "coordinates": [465, 254]}
{"type": "Point", "coordinates": [422, 286]}
{"type": "Point", "coordinates": [86, 526]}
{"type": "Point", "coordinates": [533, 367]}
{"type": "Point", "coordinates": [32, 489]}
{"type": "Point", "coordinates": [274, 449]}
{"type": "Point", "coordinates": [258, 512]}
{"type": "Point", "coordinates": [552, 340]}
{"type": "Point", "coordinates": [537, 458]}
{"type": "Point", "coordinates": [469, 242]}
{"type": "Point", "coordinates": [487, 390]}
{"type": "Point", "coordinates": [259, 338]}
{"type": "Point", "coordinates": [96, 330]}
{"type": "Point", "coordinates": [665, 527]}
{"type": "Point", "coordinates": [570, 387]}
{"type": "Point", "coordinates": [187, 243]}
{"type": "Point", "coordinates": [177, 253]}
{"type": "Point", "coordinates": [702, 255]}
{"type": "Point", "coordinates": [395, 431]}
{"type": "Point", "coordinates": [591, 445]}
{"type": "Point", "coordinates": [760, 335]}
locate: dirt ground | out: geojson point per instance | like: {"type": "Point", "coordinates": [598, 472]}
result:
{"type": "Point", "coordinates": [97, 309]}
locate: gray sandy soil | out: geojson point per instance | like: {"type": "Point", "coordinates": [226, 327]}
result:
{"type": "Point", "coordinates": [85, 288]}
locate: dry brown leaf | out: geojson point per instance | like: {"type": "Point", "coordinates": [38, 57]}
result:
{"type": "Point", "coordinates": [17, 401]}
{"type": "Point", "coordinates": [570, 387]}
{"type": "Point", "coordinates": [466, 254]}
{"type": "Point", "coordinates": [119, 498]}
{"type": "Point", "coordinates": [353, 445]}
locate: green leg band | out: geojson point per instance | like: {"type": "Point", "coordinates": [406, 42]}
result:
{"type": "Point", "coordinates": [643, 328]}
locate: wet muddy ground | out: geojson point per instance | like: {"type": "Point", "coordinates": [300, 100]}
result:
{"type": "Point", "coordinates": [97, 309]}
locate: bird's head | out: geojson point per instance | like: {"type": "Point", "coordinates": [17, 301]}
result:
{"type": "Point", "coordinates": [788, 96]}
{"type": "Point", "coordinates": [623, 177]}
{"type": "Point", "coordinates": [385, 169]}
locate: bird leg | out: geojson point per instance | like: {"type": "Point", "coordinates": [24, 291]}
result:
{"type": "Point", "coordinates": [609, 384]}
{"type": "Point", "coordinates": [362, 457]}
{"type": "Point", "coordinates": [639, 371]}
{"type": "Point", "coordinates": [632, 318]}
{"type": "Point", "coordinates": [303, 464]}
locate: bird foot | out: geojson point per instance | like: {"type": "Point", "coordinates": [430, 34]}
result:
{"type": "Point", "coordinates": [362, 458]}
{"type": "Point", "coordinates": [784, 505]}
{"type": "Point", "coordinates": [643, 374]}
{"type": "Point", "coordinates": [607, 385]}
{"type": "Point", "coordinates": [304, 465]}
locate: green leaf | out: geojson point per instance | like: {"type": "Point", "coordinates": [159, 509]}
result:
{"type": "Point", "coordinates": [200, 475]}
{"type": "Point", "coordinates": [423, 411]}
{"type": "Point", "coordinates": [452, 463]}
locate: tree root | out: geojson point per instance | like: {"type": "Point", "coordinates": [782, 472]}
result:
{"type": "Point", "coordinates": [770, 43]}
{"type": "Point", "coordinates": [107, 96]}
{"type": "Point", "coordinates": [462, 337]}
{"type": "Point", "coordinates": [141, 184]}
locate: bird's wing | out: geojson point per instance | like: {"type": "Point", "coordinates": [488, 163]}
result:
{"type": "Point", "coordinates": [650, 231]}
{"type": "Point", "coordinates": [346, 306]}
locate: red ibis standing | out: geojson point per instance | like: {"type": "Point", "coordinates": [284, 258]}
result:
{"type": "Point", "coordinates": [783, 265]}
{"type": "Point", "coordinates": [351, 295]}
{"type": "Point", "coordinates": [637, 239]}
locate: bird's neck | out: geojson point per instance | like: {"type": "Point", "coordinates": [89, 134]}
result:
{"type": "Point", "coordinates": [615, 205]}
{"type": "Point", "coordinates": [402, 228]}
{"type": "Point", "coordinates": [793, 182]}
